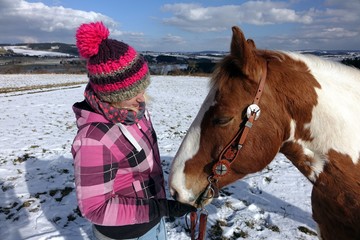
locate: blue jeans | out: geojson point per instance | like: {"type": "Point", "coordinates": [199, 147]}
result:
{"type": "Point", "coordinates": [158, 232]}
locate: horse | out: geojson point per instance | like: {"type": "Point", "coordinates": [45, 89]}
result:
{"type": "Point", "coordinates": [262, 102]}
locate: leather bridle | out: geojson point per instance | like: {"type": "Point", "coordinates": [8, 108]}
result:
{"type": "Point", "coordinates": [223, 166]}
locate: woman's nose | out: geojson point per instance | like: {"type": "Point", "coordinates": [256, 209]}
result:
{"type": "Point", "coordinates": [140, 98]}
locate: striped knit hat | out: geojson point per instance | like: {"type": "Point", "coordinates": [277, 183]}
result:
{"type": "Point", "coordinates": [116, 71]}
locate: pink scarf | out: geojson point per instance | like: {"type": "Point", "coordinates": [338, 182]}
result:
{"type": "Point", "coordinates": [114, 115]}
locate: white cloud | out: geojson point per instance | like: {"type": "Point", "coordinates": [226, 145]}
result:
{"type": "Point", "coordinates": [22, 21]}
{"type": "Point", "coordinates": [169, 38]}
{"type": "Point", "coordinates": [335, 16]}
{"type": "Point", "coordinates": [277, 15]}
{"type": "Point", "coordinates": [196, 18]}
{"type": "Point", "coordinates": [328, 33]}
{"type": "Point", "coordinates": [333, 22]}
{"type": "Point", "coordinates": [314, 37]}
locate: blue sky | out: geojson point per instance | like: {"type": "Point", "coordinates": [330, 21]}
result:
{"type": "Point", "coordinates": [153, 25]}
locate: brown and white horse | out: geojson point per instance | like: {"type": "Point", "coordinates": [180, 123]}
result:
{"type": "Point", "coordinates": [310, 112]}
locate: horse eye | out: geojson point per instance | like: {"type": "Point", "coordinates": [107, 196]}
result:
{"type": "Point", "coordinates": [222, 121]}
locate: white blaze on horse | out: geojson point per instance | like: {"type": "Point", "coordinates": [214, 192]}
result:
{"type": "Point", "coordinates": [303, 106]}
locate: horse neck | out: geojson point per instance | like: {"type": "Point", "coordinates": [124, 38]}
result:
{"type": "Point", "coordinates": [320, 110]}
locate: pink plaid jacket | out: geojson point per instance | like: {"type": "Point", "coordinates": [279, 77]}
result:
{"type": "Point", "coordinates": [114, 176]}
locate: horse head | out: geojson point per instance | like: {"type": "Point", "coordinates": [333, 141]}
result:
{"type": "Point", "coordinates": [222, 120]}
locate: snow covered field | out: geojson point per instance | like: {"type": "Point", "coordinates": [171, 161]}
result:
{"type": "Point", "coordinates": [25, 50]}
{"type": "Point", "coordinates": [37, 198]}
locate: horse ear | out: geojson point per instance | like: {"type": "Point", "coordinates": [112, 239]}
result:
{"type": "Point", "coordinates": [244, 51]}
{"type": "Point", "coordinates": [240, 47]}
{"type": "Point", "coordinates": [238, 42]}
{"type": "Point", "coordinates": [252, 43]}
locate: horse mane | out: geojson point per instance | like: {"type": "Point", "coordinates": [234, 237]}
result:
{"type": "Point", "coordinates": [271, 55]}
{"type": "Point", "coordinates": [230, 66]}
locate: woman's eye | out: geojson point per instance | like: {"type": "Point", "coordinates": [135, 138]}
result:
{"type": "Point", "coordinates": [222, 121]}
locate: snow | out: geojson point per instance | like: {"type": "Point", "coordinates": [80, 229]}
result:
{"type": "Point", "coordinates": [37, 198]}
{"type": "Point", "coordinates": [27, 80]}
{"type": "Point", "coordinates": [30, 52]}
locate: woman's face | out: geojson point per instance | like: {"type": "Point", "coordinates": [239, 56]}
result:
{"type": "Point", "coordinates": [132, 103]}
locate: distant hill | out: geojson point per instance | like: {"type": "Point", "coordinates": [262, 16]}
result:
{"type": "Point", "coordinates": [71, 50]}
{"type": "Point", "coordinates": [64, 58]}
{"type": "Point", "coordinates": [63, 48]}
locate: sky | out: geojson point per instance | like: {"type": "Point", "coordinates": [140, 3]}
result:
{"type": "Point", "coordinates": [184, 26]}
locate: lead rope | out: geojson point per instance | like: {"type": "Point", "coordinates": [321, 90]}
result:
{"type": "Point", "coordinates": [202, 224]}
{"type": "Point", "coordinates": [210, 192]}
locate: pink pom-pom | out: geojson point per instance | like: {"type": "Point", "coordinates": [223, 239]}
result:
{"type": "Point", "coordinates": [89, 37]}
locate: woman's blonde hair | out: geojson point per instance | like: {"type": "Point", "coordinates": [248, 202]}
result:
{"type": "Point", "coordinates": [146, 97]}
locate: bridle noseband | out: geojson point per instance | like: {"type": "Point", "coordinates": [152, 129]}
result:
{"type": "Point", "coordinates": [222, 167]}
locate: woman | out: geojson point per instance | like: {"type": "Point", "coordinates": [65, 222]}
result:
{"type": "Point", "coordinates": [118, 174]}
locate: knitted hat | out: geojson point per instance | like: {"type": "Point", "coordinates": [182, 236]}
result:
{"type": "Point", "coordinates": [116, 71]}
